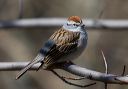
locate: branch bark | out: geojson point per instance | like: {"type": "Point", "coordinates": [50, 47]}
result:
{"type": "Point", "coordinates": [72, 68]}
{"type": "Point", "coordinates": [55, 22]}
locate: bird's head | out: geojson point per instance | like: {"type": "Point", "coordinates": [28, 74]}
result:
{"type": "Point", "coordinates": [74, 23]}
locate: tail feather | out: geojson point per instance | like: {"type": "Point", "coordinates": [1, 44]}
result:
{"type": "Point", "coordinates": [39, 58]}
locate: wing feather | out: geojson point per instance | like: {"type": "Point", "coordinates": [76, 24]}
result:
{"type": "Point", "coordinates": [66, 42]}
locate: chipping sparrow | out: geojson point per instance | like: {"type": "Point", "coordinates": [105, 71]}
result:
{"type": "Point", "coordinates": [65, 44]}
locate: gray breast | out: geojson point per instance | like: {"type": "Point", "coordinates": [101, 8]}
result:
{"type": "Point", "coordinates": [83, 40]}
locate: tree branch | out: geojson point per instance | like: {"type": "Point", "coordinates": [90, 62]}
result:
{"type": "Point", "coordinates": [94, 75]}
{"type": "Point", "coordinates": [55, 22]}
{"type": "Point", "coordinates": [72, 68]}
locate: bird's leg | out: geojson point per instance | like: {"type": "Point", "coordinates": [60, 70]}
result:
{"type": "Point", "coordinates": [63, 79]}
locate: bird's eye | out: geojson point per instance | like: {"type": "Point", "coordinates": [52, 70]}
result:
{"type": "Point", "coordinates": [75, 24]}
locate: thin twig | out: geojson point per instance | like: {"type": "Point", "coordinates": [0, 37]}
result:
{"type": "Point", "coordinates": [82, 86]}
{"type": "Point", "coordinates": [106, 68]}
{"type": "Point", "coordinates": [20, 9]}
{"type": "Point", "coordinates": [79, 78]}
{"type": "Point", "coordinates": [106, 86]}
{"type": "Point", "coordinates": [105, 62]}
{"type": "Point", "coordinates": [102, 10]}
{"type": "Point", "coordinates": [123, 70]}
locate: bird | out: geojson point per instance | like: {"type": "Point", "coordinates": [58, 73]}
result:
{"type": "Point", "coordinates": [66, 44]}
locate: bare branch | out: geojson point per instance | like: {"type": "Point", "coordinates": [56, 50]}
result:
{"type": "Point", "coordinates": [94, 75]}
{"type": "Point", "coordinates": [55, 22]}
{"type": "Point", "coordinates": [72, 68]}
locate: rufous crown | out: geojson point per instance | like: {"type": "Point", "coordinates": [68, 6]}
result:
{"type": "Point", "coordinates": [76, 19]}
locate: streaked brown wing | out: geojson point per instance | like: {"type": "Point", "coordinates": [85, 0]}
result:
{"type": "Point", "coordinates": [63, 36]}
{"type": "Point", "coordinates": [66, 42]}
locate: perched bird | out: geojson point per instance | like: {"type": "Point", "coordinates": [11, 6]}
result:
{"type": "Point", "coordinates": [65, 44]}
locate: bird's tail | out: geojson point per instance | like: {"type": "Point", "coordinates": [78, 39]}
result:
{"type": "Point", "coordinates": [38, 58]}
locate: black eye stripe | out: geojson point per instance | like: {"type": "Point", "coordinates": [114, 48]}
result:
{"type": "Point", "coordinates": [72, 24]}
{"type": "Point", "coordinates": [75, 24]}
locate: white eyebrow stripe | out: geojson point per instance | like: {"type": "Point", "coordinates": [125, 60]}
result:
{"type": "Point", "coordinates": [71, 22]}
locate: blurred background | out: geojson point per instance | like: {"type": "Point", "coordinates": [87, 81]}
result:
{"type": "Point", "coordinates": [18, 44]}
